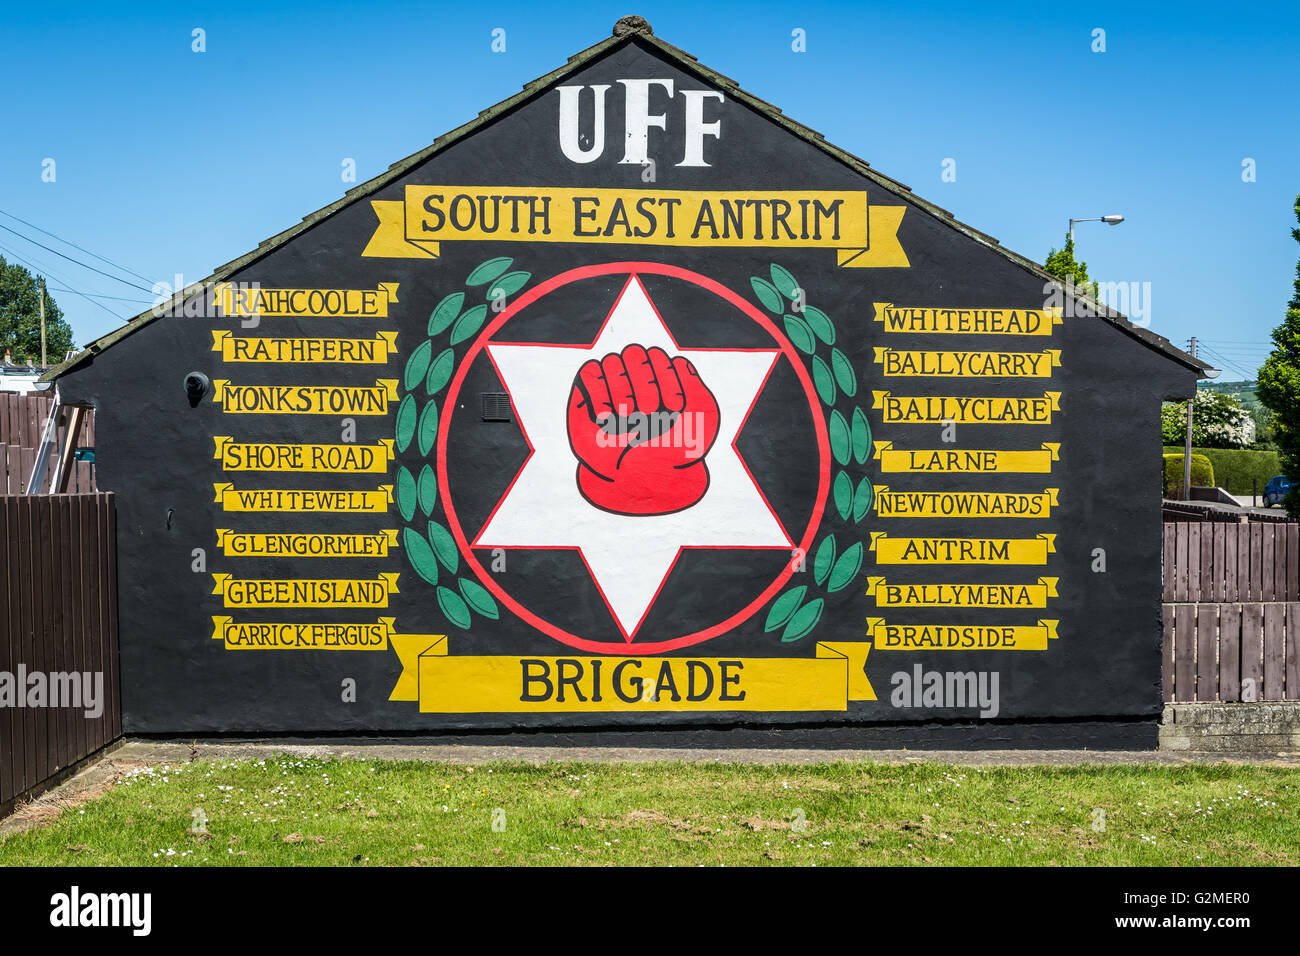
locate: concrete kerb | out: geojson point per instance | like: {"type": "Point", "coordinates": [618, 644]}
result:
{"type": "Point", "coordinates": [181, 751]}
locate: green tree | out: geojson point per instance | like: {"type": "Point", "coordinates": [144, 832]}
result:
{"type": "Point", "coordinates": [1278, 385]}
{"type": "Point", "coordinates": [20, 317]}
{"type": "Point", "coordinates": [1062, 264]}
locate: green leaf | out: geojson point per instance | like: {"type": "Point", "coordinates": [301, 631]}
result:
{"type": "Point", "coordinates": [824, 381]}
{"type": "Point", "coordinates": [420, 555]}
{"type": "Point", "coordinates": [468, 324]}
{"type": "Point", "coordinates": [820, 324]}
{"type": "Point", "coordinates": [843, 494]}
{"type": "Point", "coordinates": [824, 558]}
{"type": "Point", "coordinates": [440, 371]}
{"type": "Point", "coordinates": [784, 282]}
{"type": "Point", "coordinates": [444, 545]}
{"type": "Point", "coordinates": [861, 436]}
{"type": "Point", "coordinates": [508, 284]}
{"type": "Point", "coordinates": [453, 607]}
{"type": "Point", "coordinates": [417, 365]}
{"type": "Point", "coordinates": [406, 493]}
{"type": "Point", "coordinates": [804, 620]}
{"type": "Point", "coordinates": [405, 422]}
{"type": "Point", "coordinates": [844, 373]}
{"type": "Point", "coordinates": [427, 430]}
{"type": "Point", "coordinates": [477, 597]}
{"type": "Point", "coordinates": [846, 568]}
{"type": "Point", "coordinates": [768, 295]}
{"type": "Point", "coordinates": [488, 271]}
{"type": "Point", "coordinates": [445, 313]}
{"type": "Point", "coordinates": [427, 490]}
{"type": "Point", "coordinates": [800, 334]}
{"type": "Point", "coordinates": [839, 433]}
{"type": "Point", "coordinates": [862, 498]}
{"type": "Point", "coordinates": [784, 607]}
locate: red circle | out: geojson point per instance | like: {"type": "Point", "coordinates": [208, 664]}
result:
{"type": "Point", "coordinates": [632, 268]}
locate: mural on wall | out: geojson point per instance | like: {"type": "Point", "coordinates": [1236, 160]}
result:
{"type": "Point", "coordinates": [684, 420]}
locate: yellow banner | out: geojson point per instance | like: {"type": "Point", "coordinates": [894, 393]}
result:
{"type": "Point", "coordinates": [962, 504]}
{"type": "Point", "coordinates": [305, 399]}
{"type": "Point", "coordinates": [280, 349]}
{"type": "Point", "coordinates": [960, 637]}
{"type": "Point", "coordinates": [284, 636]}
{"type": "Point", "coordinates": [913, 364]}
{"type": "Point", "coordinates": [962, 595]}
{"type": "Point", "coordinates": [968, 461]}
{"type": "Point", "coordinates": [967, 410]}
{"type": "Point", "coordinates": [243, 301]}
{"type": "Point", "coordinates": [304, 500]}
{"type": "Point", "coordinates": [863, 236]}
{"type": "Point", "coordinates": [512, 685]}
{"type": "Point", "coordinates": [239, 544]}
{"type": "Point", "coordinates": [962, 550]}
{"type": "Point", "coordinates": [332, 459]}
{"type": "Point", "coordinates": [304, 592]}
{"type": "Point", "coordinates": [968, 321]}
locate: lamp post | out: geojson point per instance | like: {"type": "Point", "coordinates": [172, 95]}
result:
{"type": "Point", "coordinates": [1111, 220]}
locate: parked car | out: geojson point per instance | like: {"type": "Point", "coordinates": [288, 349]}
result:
{"type": "Point", "coordinates": [1276, 490]}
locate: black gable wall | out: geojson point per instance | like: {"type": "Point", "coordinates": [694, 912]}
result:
{"type": "Point", "coordinates": [1100, 668]}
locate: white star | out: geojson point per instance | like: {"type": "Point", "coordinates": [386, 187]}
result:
{"type": "Point", "coordinates": [628, 556]}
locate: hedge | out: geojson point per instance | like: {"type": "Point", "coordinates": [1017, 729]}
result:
{"type": "Point", "coordinates": [1235, 467]}
{"type": "Point", "coordinates": [1202, 474]}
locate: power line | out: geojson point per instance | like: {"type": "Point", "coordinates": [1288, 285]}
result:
{"type": "Point", "coordinates": [37, 269]}
{"type": "Point", "coordinates": [74, 245]}
{"type": "Point", "coordinates": [96, 295]}
{"type": "Point", "coordinates": [75, 261]}
{"type": "Point", "coordinates": [1225, 362]}
{"type": "Point", "coordinates": [1230, 364]}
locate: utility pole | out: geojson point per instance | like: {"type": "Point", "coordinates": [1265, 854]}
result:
{"type": "Point", "coordinates": [42, 285]}
{"type": "Point", "coordinates": [1187, 451]}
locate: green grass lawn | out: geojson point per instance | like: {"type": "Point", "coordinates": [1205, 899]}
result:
{"type": "Point", "coordinates": [292, 811]}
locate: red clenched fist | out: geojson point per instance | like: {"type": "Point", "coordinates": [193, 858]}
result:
{"type": "Point", "coordinates": [640, 425]}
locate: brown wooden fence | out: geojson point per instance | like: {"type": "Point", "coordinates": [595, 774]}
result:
{"type": "Point", "coordinates": [22, 425]}
{"type": "Point", "coordinates": [1232, 611]}
{"type": "Point", "coordinates": [58, 615]}
{"type": "Point", "coordinates": [1216, 562]}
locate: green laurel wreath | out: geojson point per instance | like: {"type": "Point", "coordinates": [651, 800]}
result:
{"type": "Point", "coordinates": [833, 569]}
{"type": "Point", "coordinates": [425, 376]}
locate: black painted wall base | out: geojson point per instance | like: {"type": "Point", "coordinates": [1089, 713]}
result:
{"type": "Point", "coordinates": [1116, 734]}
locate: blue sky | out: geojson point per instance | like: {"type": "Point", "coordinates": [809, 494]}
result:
{"type": "Point", "coordinates": [170, 161]}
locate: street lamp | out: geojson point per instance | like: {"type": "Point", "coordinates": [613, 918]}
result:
{"type": "Point", "coordinates": [1111, 220]}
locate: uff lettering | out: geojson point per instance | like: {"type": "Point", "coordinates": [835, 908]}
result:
{"type": "Point", "coordinates": [637, 121]}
